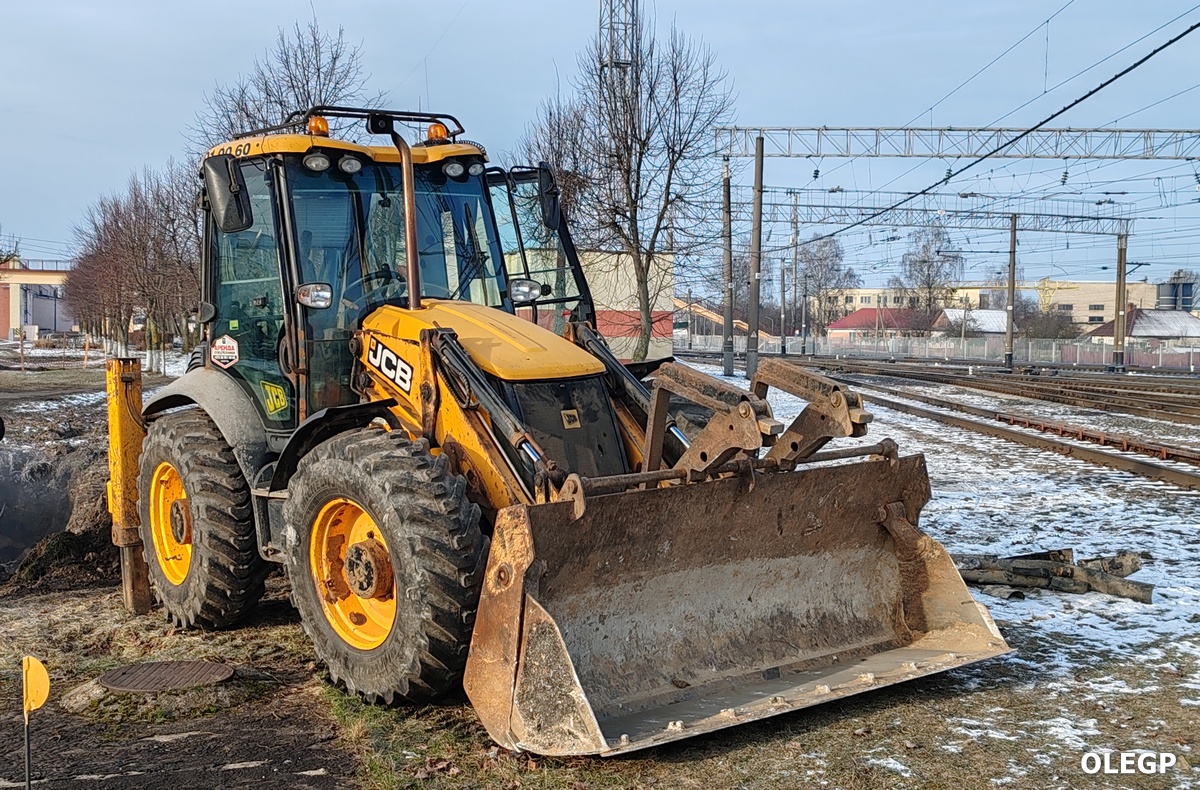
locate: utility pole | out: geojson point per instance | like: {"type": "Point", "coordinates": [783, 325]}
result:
{"type": "Point", "coordinates": [796, 268]}
{"type": "Point", "coordinates": [691, 320]}
{"type": "Point", "coordinates": [782, 315]}
{"type": "Point", "coordinates": [1120, 318]}
{"type": "Point", "coordinates": [1010, 308]}
{"type": "Point", "coordinates": [962, 344]}
{"type": "Point", "coordinates": [804, 319]}
{"type": "Point", "coordinates": [755, 262]}
{"type": "Point", "coordinates": [727, 269]}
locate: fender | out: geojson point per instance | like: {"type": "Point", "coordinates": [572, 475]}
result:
{"type": "Point", "coordinates": [323, 425]}
{"type": "Point", "coordinates": [227, 405]}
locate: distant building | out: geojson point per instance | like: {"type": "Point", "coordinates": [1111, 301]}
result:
{"type": "Point", "coordinates": [610, 278]}
{"type": "Point", "coordinates": [872, 322]}
{"type": "Point", "coordinates": [979, 322]}
{"type": "Point", "coordinates": [1154, 325]}
{"type": "Point", "coordinates": [31, 295]}
{"type": "Point", "coordinates": [1087, 303]}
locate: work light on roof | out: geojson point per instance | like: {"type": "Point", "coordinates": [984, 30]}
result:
{"type": "Point", "coordinates": [317, 161]}
{"type": "Point", "coordinates": [349, 164]}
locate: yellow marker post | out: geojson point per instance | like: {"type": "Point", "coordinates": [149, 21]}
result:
{"type": "Point", "coordinates": [36, 685]}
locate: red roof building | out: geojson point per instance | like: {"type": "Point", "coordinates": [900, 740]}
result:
{"type": "Point", "coordinates": [870, 322]}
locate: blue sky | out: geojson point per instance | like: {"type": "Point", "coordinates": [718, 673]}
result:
{"type": "Point", "coordinates": [93, 91]}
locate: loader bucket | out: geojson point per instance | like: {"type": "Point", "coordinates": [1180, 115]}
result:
{"type": "Point", "coordinates": [663, 613]}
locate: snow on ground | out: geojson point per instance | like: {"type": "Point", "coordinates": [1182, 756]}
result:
{"type": "Point", "coordinates": [175, 361]}
{"type": "Point", "coordinates": [1165, 431]}
{"type": "Point", "coordinates": [78, 400]}
{"type": "Point", "coordinates": [995, 497]}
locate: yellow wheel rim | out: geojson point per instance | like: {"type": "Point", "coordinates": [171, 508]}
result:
{"type": "Point", "coordinates": [172, 539]}
{"type": "Point", "coordinates": [351, 568]}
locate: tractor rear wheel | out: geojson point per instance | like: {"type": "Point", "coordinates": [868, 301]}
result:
{"type": "Point", "coordinates": [385, 557]}
{"type": "Point", "coordinates": [196, 523]}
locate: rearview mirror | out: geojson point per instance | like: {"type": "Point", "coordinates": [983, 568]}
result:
{"type": "Point", "coordinates": [228, 199]}
{"type": "Point", "coordinates": [548, 196]}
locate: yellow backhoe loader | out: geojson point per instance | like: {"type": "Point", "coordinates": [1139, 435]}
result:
{"type": "Point", "coordinates": [402, 397]}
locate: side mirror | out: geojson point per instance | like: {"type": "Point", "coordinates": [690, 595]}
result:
{"type": "Point", "coordinates": [317, 295]}
{"type": "Point", "coordinates": [228, 199]}
{"type": "Point", "coordinates": [526, 291]}
{"type": "Point", "coordinates": [548, 196]}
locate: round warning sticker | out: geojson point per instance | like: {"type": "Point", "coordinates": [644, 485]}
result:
{"type": "Point", "coordinates": [224, 351]}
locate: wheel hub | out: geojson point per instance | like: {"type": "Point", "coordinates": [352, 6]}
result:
{"type": "Point", "coordinates": [368, 569]}
{"type": "Point", "coordinates": [181, 521]}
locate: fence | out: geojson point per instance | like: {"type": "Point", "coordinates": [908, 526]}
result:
{"type": "Point", "coordinates": [1163, 354]}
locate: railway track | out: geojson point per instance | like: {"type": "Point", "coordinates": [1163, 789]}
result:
{"type": "Point", "coordinates": [1177, 466]}
{"type": "Point", "coordinates": [1157, 461]}
{"type": "Point", "coordinates": [1126, 395]}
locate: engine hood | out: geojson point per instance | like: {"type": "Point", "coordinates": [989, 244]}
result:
{"type": "Point", "coordinates": [502, 344]}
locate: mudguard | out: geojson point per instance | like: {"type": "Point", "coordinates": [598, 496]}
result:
{"type": "Point", "coordinates": [227, 405]}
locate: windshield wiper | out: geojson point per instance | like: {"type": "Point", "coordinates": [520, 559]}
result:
{"type": "Point", "coordinates": [476, 257]}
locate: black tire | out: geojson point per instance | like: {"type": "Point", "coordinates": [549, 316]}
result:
{"type": "Point", "coordinates": [435, 548]}
{"type": "Point", "coordinates": [225, 577]}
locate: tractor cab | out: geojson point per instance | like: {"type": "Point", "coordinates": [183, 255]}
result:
{"type": "Point", "coordinates": [306, 234]}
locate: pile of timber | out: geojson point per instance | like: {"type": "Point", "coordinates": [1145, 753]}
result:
{"type": "Point", "coordinates": [1054, 570]}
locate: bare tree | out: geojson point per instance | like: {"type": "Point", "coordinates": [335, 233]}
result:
{"type": "Point", "coordinates": [1033, 322]}
{"type": "Point", "coordinates": [561, 137]}
{"type": "Point", "coordinates": [10, 249]}
{"type": "Point", "coordinates": [306, 67]}
{"type": "Point", "coordinates": [929, 270]}
{"type": "Point", "coordinates": [825, 278]}
{"type": "Point", "coordinates": [139, 258]}
{"type": "Point", "coordinates": [638, 162]}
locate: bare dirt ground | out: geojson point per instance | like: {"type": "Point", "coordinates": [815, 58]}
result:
{"type": "Point", "coordinates": [269, 726]}
{"type": "Point", "coordinates": [1088, 673]}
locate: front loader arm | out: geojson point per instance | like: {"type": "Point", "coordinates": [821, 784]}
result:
{"type": "Point", "coordinates": [832, 411]}
{"type": "Point", "coordinates": [452, 405]}
{"type": "Point", "coordinates": [743, 422]}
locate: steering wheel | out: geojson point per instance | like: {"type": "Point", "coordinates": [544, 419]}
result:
{"type": "Point", "coordinates": [390, 286]}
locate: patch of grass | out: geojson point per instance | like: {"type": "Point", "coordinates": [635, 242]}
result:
{"type": "Point", "coordinates": [1025, 720]}
{"type": "Point", "coordinates": [1002, 720]}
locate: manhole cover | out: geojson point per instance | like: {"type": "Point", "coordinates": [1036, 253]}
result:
{"type": "Point", "coordinates": [155, 676]}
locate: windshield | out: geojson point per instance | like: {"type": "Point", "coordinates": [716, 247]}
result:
{"type": "Point", "coordinates": [350, 233]}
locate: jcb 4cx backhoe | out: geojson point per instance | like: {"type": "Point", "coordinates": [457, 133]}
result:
{"type": "Point", "coordinates": [402, 397]}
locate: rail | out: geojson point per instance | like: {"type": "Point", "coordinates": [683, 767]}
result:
{"type": "Point", "coordinates": [1175, 474]}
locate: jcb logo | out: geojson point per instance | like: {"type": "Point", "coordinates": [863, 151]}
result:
{"type": "Point", "coordinates": [391, 366]}
{"type": "Point", "coordinates": [274, 397]}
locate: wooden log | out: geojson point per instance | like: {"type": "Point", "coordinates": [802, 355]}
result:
{"type": "Point", "coordinates": [1030, 571]}
{"type": "Point", "coordinates": [1054, 555]}
{"type": "Point", "coordinates": [1115, 585]}
{"type": "Point", "coordinates": [1001, 591]}
{"type": "Point", "coordinates": [1121, 564]}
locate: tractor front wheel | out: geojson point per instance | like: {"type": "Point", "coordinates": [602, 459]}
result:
{"type": "Point", "coordinates": [385, 557]}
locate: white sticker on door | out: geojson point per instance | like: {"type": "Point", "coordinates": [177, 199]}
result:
{"type": "Point", "coordinates": [224, 352]}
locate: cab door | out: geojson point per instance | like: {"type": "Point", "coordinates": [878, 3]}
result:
{"type": "Point", "coordinates": [247, 332]}
{"type": "Point", "coordinates": [534, 251]}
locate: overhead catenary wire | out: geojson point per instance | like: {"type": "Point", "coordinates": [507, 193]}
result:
{"type": "Point", "coordinates": [1043, 24]}
{"type": "Point", "coordinates": [954, 173]}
